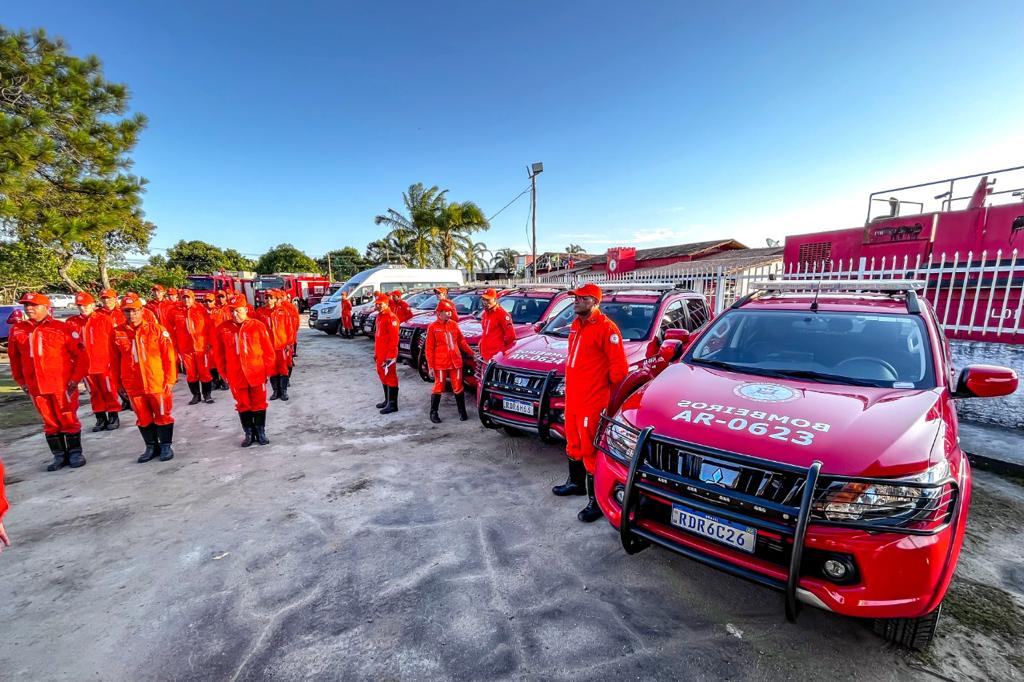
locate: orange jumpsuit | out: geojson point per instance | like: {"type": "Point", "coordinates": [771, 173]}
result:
{"type": "Point", "coordinates": [385, 347]}
{"type": "Point", "coordinates": [346, 314]}
{"type": "Point", "coordinates": [444, 348]}
{"type": "Point", "coordinates": [193, 335]}
{"type": "Point", "coordinates": [596, 364]}
{"type": "Point", "coordinates": [45, 358]}
{"type": "Point", "coordinates": [282, 336]}
{"type": "Point", "coordinates": [163, 311]}
{"type": "Point", "coordinates": [3, 498]}
{"type": "Point", "coordinates": [96, 333]}
{"type": "Point", "coordinates": [144, 366]}
{"type": "Point", "coordinates": [115, 315]}
{"type": "Point", "coordinates": [499, 334]}
{"type": "Point", "coordinates": [401, 309]}
{"type": "Point", "coordinates": [245, 356]}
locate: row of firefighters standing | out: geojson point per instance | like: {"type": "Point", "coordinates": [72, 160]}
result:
{"type": "Point", "coordinates": [596, 364]}
{"type": "Point", "coordinates": [129, 355]}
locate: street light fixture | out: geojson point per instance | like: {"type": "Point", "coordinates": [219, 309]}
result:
{"type": "Point", "coordinates": [535, 170]}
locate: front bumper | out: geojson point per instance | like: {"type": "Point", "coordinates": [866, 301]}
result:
{"type": "Point", "coordinates": [497, 383]}
{"type": "Point", "coordinates": [895, 573]}
{"type": "Point", "coordinates": [324, 325]}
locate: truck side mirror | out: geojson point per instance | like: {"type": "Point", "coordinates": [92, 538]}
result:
{"type": "Point", "coordinates": [537, 327]}
{"type": "Point", "coordinates": [671, 350]}
{"type": "Point", "coordinates": [985, 381]}
{"type": "Point", "coordinates": [680, 335]}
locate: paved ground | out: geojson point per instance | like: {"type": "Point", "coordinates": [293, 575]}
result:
{"type": "Point", "coordinates": [362, 547]}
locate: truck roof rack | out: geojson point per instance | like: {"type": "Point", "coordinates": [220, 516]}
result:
{"type": "Point", "coordinates": [893, 287]}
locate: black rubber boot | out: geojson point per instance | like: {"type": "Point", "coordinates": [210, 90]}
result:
{"type": "Point", "coordinates": [126, 405]}
{"type": "Point", "coordinates": [435, 402]}
{"type": "Point", "coordinates": [165, 434]}
{"type": "Point", "coordinates": [460, 403]}
{"type": "Point", "coordinates": [575, 484]}
{"type": "Point", "coordinates": [207, 387]}
{"type": "Point", "coordinates": [246, 419]}
{"type": "Point", "coordinates": [101, 422]}
{"type": "Point", "coordinates": [275, 383]}
{"type": "Point", "coordinates": [59, 451]}
{"type": "Point", "coordinates": [113, 421]}
{"type": "Point", "coordinates": [218, 380]}
{"type": "Point", "coordinates": [592, 512]}
{"type": "Point", "coordinates": [75, 457]}
{"type": "Point", "coordinates": [284, 380]}
{"type": "Point", "coordinates": [392, 405]}
{"type": "Point", "coordinates": [152, 446]}
{"type": "Point", "coordinates": [260, 427]}
{"type": "Point", "coordinates": [193, 386]}
{"type": "Point", "coordinates": [383, 403]}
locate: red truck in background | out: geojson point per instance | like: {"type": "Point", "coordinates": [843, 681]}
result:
{"type": "Point", "coordinates": [231, 281]}
{"type": "Point", "coordinates": [300, 287]}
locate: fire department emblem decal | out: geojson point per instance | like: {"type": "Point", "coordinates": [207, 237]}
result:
{"type": "Point", "coordinates": [766, 393]}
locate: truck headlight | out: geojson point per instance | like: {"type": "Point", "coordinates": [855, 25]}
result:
{"type": "Point", "coordinates": [559, 388]}
{"type": "Point", "coordinates": [888, 501]}
{"type": "Point", "coordinates": [619, 439]}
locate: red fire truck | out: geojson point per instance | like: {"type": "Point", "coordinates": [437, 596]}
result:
{"type": "Point", "coordinates": [967, 250]}
{"type": "Point", "coordinates": [232, 281]}
{"type": "Point", "coordinates": [299, 286]}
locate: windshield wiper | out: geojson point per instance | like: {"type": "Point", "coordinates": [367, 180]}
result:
{"type": "Point", "coordinates": [720, 365]}
{"type": "Point", "coordinates": [827, 378]}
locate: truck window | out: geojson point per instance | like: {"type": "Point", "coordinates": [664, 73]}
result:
{"type": "Point", "coordinates": [697, 309]}
{"type": "Point", "coordinates": [673, 318]}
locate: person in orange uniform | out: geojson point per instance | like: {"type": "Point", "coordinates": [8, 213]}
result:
{"type": "Point", "coordinates": [444, 348]}
{"type": "Point", "coordinates": [47, 361]}
{"type": "Point", "coordinates": [279, 323]}
{"type": "Point", "coordinates": [499, 334]}
{"type": "Point", "coordinates": [245, 354]}
{"type": "Point", "coordinates": [212, 309]}
{"type": "Point", "coordinates": [145, 368]}
{"type": "Point", "coordinates": [442, 295]}
{"type": "Point", "coordinates": [401, 309]}
{"type": "Point", "coordinates": [192, 333]}
{"type": "Point", "coordinates": [596, 364]}
{"type": "Point", "coordinates": [96, 333]}
{"type": "Point", "coordinates": [161, 307]}
{"type": "Point", "coordinates": [385, 353]}
{"type": "Point", "coordinates": [109, 306]}
{"type": "Point", "coordinates": [5, 541]}
{"type": "Point", "coordinates": [296, 321]}
{"type": "Point", "coordinates": [346, 316]}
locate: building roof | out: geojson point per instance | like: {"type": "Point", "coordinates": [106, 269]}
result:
{"type": "Point", "coordinates": [675, 251]}
{"type": "Point", "coordinates": [729, 261]}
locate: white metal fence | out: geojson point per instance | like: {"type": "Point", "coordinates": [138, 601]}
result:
{"type": "Point", "coordinates": [976, 296]}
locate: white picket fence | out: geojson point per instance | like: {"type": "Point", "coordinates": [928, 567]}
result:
{"type": "Point", "coordinates": [975, 296]}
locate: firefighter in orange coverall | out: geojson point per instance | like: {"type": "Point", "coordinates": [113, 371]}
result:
{"type": "Point", "coordinates": [499, 334]}
{"type": "Point", "coordinates": [442, 295]}
{"type": "Point", "coordinates": [401, 309]}
{"type": "Point", "coordinates": [192, 333]}
{"type": "Point", "coordinates": [145, 368]}
{"type": "Point", "coordinates": [96, 333]}
{"type": "Point", "coordinates": [161, 307]}
{"type": "Point", "coordinates": [385, 353]}
{"type": "Point", "coordinates": [296, 321]}
{"type": "Point", "coordinates": [4, 540]}
{"type": "Point", "coordinates": [346, 316]}
{"type": "Point", "coordinates": [210, 306]}
{"type": "Point", "coordinates": [109, 306]}
{"type": "Point", "coordinates": [48, 362]}
{"type": "Point", "coordinates": [444, 348]}
{"type": "Point", "coordinates": [244, 353]}
{"type": "Point", "coordinates": [279, 323]}
{"type": "Point", "coordinates": [595, 366]}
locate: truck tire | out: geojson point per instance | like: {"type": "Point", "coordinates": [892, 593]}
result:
{"type": "Point", "coordinates": [330, 332]}
{"type": "Point", "coordinates": [912, 633]}
{"type": "Point", "coordinates": [424, 369]}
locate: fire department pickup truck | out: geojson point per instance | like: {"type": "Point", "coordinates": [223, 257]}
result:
{"type": "Point", "coordinates": [411, 335]}
{"type": "Point", "coordinates": [523, 389]}
{"type": "Point", "coordinates": [806, 442]}
{"type": "Point", "coordinates": [417, 300]}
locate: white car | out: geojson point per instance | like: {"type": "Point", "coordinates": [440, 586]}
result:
{"type": "Point", "coordinates": [61, 300]}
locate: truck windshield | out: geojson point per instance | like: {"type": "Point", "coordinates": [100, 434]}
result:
{"type": "Point", "coordinates": [264, 283]}
{"type": "Point", "coordinates": [416, 301]}
{"type": "Point", "coordinates": [200, 283]}
{"type": "Point", "coordinates": [466, 303]}
{"type": "Point", "coordinates": [856, 349]}
{"type": "Point", "coordinates": [523, 309]}
{"type": "Point", "coordinates": [634, 320]}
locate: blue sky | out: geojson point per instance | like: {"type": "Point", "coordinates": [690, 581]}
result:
{"type": "Point", "coordinates": [657, 122]}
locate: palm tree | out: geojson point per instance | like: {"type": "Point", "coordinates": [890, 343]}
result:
{"type": "Point", "coordinates": [474, 257]}
{"type": "Point", "coordinates": [388, 249]}
{"type": "Point", "coordinates": [418, 227]}
{"type": "Point", "coordinates": [505, 259]}
{"type": "Point", "coordinates": [573, 249]}
{"type": "Point", "coordinates": [454, 223]}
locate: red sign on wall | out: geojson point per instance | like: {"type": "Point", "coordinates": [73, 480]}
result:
{"type": "Point", "coordinates": [621, 259]}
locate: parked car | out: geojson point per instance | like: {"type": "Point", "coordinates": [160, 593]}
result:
{"type": "Point", "coordinates": [806, 442]}
{"type": "Point", "coordinates": [60, 300]}
{"type": "Point", "coordinates": [418, 301]}
{"type": "Point", "coordinates": [9, 314]}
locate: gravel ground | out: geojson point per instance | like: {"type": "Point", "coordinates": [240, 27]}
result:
{"type": "Point", "coordinates": [357, 546]}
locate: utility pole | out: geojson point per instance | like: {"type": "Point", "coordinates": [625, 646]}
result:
{"type": "Point", "coordinates": [330, 273]}
{"type": "Point", "coordinates": [535, 170]}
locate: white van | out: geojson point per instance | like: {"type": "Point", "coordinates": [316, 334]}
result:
{"type": "Point", "coordinates": [326, 316]}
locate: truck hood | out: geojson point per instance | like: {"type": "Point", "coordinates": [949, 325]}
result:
{"type": "Point", "coordinates": [852, 430]}
{"type": "Point", "coordinates": [473, 330]}
{"type": "Point", "coordinates": [543, 352]}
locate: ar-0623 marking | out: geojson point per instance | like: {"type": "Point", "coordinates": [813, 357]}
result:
{"type": "Point", "coordinates": [800, 435]}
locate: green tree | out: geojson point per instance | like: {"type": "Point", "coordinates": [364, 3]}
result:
{"type": "Point", "coordinates": [344, 263]}
{"type": "Point", "coordinates": [574, 249]}
{"type": "Point", "coordinates": [505, 259]}
{"type": "Point", "coordinates": [388, 249]}
{"type": "Point", "coordinates": [285, 258]}
{"type": "Point", "coordinates": [197, 257]}
{"type": "Point", "coordinates": [25, 267]}
{"type": "Point", "coordinates": [65, 137]}
{"type": "Point", "coordinates": [233, 260]}
{"type": "Point", "coordinates": [418, 226]}
{"type": "Point", "coordinates": [475, 257]}
{"type": "Point", "coordinates": [455, 224]}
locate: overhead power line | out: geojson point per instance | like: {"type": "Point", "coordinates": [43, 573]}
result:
{"type": "Point", "coordinates": [509, 203]}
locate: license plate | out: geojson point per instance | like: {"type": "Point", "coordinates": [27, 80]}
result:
{"type": "Point", "coordinates": [723, 531]}
{"type": "Point", "coordinates": [510, 405]}
{"type": "Point", "coordinates": [404, 345]}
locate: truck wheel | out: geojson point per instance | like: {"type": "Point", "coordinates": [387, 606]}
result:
{"type": "Point", "coordinates": [424, 369]}
{"type": "Point", "coordinates": [912, 633]}
{"type": "Point", "coordinates": [330, 332]}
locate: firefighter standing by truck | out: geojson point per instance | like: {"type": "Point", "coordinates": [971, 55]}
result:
{"type": "Point", "coordinates": [385, 353]}
{"type": "Point", "coordinates": [210, 306]}
{"type": "Point", "coordinates": [192, 333]}
{"type": "Point", "coordinates": [245, 355]}
{"type": "Point", "coordinates": [279, 323]}
{"type": "Point", "coordinates": [96, 333]}
{"type": "Point", "coordinates": [346, 316]}
{"type": "Point", "coordinates": [444, 348]}
{"type": "Point", "coordinates": [144, 366]}
{"type": "Point", "coordinates": [47, 362]}
{"type": "Point", "coordinates": [499, 334]}
{"type": "Point", "coordinates": [595, 365]}
{"type": "Point", "coordinates": [399, 306]}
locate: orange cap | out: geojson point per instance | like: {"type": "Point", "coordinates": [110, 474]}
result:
{"type": "Point", "coordinates": [34, 298]}
{"type": "Point", "coordinates": [108, 293]}
{"type": "Point", "coordinates": [397, 293]}
{"type": "Point", "coordinates": [209, 297]}
{"type": "Point", "coordinates": [238, 302]}
{"type": "Point", "coordinates": [186, 293]}
{"type": "Point", "coordinates": [84, 298]}
{"type": "Point", "coordinates": [172, 291]}
{"type": "Point", "coordinates": [440, 290]}
{"type": "Point", "coordinates": [490, 294]}
{"type": "Point", "coordinates": [446, 306]}
{"type": "Point", "coordinates": [381, 297]}
{"type": "Point", "coordinates": [157, 287]}
{"type": "Point", "coordinates": [591, 290]}
{"type": "Point", "coordinates": [132, 301]}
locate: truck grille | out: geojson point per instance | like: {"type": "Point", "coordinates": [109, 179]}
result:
{"type": "Point", "coordinates": [405, 333]}
{"type": "Point", "coordinates": [517, 382]}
